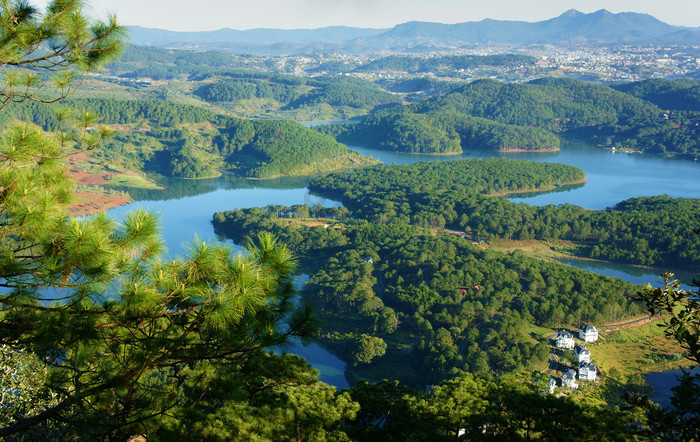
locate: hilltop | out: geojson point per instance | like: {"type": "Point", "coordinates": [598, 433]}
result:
{"type": "Point", "coordinates": [571, 27]}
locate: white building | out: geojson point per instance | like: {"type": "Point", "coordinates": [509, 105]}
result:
{"type": "Point", "coordinates": [564, 339]}
{"type": "Point", "coordinates": [588, 333]}
{"type": "Point", "coordinates": [552, 385]}
{"type": "Point", "coordinates": [582, 354]}
{"type": "Point", "coordinates": [587, 371]}
{"type": "Point", "coordinates": [568, 379]}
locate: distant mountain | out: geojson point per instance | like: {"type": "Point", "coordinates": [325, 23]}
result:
{"type": "Point", "coordinates": [603, 26]}
{"type": "Point", "coordinates": [687, 36]}
{"type": "Point", "coordinates": [570, 27]}
{"type": "Point", "coordinates": [261, 36]}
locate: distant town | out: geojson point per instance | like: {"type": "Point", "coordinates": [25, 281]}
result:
{"type": "Point", "coordinates": [598, 64]}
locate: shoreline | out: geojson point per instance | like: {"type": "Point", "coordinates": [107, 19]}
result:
{"type": "Point", "coordinates": [521, 150]}
{"type": "Point", "coordinates": [539, 189]}
{"type": "Point", "coordinates": [95, 203]}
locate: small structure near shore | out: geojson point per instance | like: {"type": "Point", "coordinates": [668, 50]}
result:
{"type": "Point", "coordinates": [564, 339]}
{"type": "Point", "coordinates": [568, 379]}
{"type": "Point", "coordinates": [588, 333]}
{"type": "Point", "coordinates": [582, 354]}
{"type": "Point", "coordinates": [587, 371]}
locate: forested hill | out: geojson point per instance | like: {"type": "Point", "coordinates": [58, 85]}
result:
{"type": "Point", "coordinates": [401, 297]}
{"type": "Point", "coordinates": [291, 92]}
{"type": "Point", "coordinates": [681, 95]}
{"type": "Point", "coordinates": [437, 179]}
{"type": "Point", "coordinates": [402, 303]}
{"type": "Point", "coordinates": [505, 116]}
{"type": "Point", "coordinates": [192, 142]}
{"type": "Point", "coordinates": [655, 231]}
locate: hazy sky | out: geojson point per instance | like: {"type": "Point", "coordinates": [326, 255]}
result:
{"type": "Point", "coordinates": [201, 15]}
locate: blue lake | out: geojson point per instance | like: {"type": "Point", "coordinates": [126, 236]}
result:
{"type": "Point", "coordinates": [633, 274]}
{"type": "Point", "coordinates": [611, 176]}
{"type": "Point", "coordinates": [186, 207]}
{"type": "Point", "coordinates": [662, 383]}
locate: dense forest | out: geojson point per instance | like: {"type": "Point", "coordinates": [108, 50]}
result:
{"type": "Point", "coordinates": [400, 130]}
{"type": "Point", "coordinates": [395, 294]}
{"type": "Point", "coordinates": [192, 142]}
{"type": "Point", "coordinates": [502, 116]}
{"type": "Point", "coordinates": [102, 337]}
{"type": "Point", "coordinates": [165, 64]}
{"type": "Point", "coordinates": [655, 231]}
{"type": "Point", "coordinates": [680, 95]}
{"type": "Point", "coordinates": [419, 88]}
{"type": "Point", "coordinates": [399, 299]}
{"type": "Point", "coordinates": [295, 92]}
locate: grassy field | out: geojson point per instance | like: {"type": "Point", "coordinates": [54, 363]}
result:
{"type": "Point", "coordinates": [548, 250]}
{"type": "Point", "coordinates": [623, 357]}
{"type": "Point", "coordinates": [135, 181]}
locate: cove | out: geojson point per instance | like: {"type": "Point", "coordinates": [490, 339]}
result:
{"type": "Point", "coordinates": [184, 218]}
{"type": "Point", "coordinates": [186, 207]}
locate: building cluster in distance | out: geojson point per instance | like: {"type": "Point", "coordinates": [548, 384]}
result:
{"type": "Point", "coordinates": [617, 63]}
{"type": "Point", "coordinates": [599, 64]}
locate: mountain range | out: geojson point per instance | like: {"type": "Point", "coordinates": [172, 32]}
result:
{"type": "Point", "coordinates": [571, 27]}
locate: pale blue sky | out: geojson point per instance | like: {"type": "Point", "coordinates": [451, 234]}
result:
{"type": "Point", "coordinates": [200, 15]}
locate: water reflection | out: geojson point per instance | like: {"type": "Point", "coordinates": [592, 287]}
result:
{"type": "Point", "coordinates": [174, 188]}
{"type": "Point", "coordinates": [330, 367]}
{"type": "Point", "coordinates": [566, 188]}
{"type": "Point", "coordinates": [184, 218]}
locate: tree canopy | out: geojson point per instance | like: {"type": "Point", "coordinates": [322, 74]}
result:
{"type": "Point", "coordinates": [103, 337]}
{"type": "Point", "coordinates": [61, 41]}
{"type": "Point", "coordinates": [506, 116]}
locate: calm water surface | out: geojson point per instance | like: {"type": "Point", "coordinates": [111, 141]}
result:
{"type": "Point", "coordinates": [612, 176]}
{"type": "Point", "coordinates": [662, 383]}
{"type": "Point", "coordinates": [633, 274]}
{"type": "Point", "coordinates": [186, 207]}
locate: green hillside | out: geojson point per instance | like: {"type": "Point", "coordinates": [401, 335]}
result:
{"type": "Point", "coordinates": [505, 116]}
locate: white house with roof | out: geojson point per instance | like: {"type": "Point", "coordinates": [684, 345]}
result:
{"type": "Point", "coordinates": [568, 379]}
{"type": "Point", "coordinates": [564, 339]}
{"type": "Point", "coordinates": [552, 385]}
{"type": "Point", "coordinates": [582, 354]}
{"type": "Point", "coordinates": [588, 333]}
{"type": "Point", "coordinates": [587, 371]}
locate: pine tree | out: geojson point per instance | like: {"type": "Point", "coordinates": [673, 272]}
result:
{"type": "Point", "coordinates": [62, 43]}
{"type": "Point", "coordinates": [121, 335]}
{"type": "Point", "coordinates": [681, 322]}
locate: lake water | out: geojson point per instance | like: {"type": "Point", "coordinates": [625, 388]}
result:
{"type": "Point", "coordinates": [611, 176]}
{"type": "Point", "coordinates": [633, 274]}
{"type": "Point", "coordinates": [662, 383]}
{"type": "Point", "coordinates": [186, 208]}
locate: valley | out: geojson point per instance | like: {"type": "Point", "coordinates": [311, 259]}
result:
{"type": "Point", "coordinates": [468, 231]}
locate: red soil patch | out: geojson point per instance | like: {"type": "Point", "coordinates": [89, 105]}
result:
{"type": "Point", "coordinates": [73, 159]}
{"type": "Point", "coordinates": [81, 177]}
{"type": "Point", "coordinates": [90, 203]}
